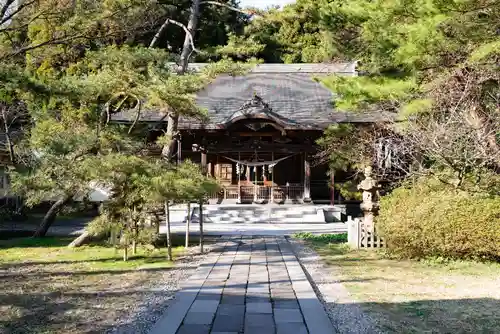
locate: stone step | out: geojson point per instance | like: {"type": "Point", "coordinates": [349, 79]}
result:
{"type": "Point", "coordinates": [272, 214]}
{"type": "Point", "coordinates": [228, 214]}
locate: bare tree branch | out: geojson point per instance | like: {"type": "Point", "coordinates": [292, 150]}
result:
{"type": "Point", "coordinates": [4, 19]}
{"type": "Point", "coordinates": [247, 12]}
{"type": "Point", "coordinates": [164, 26]}
{"type": "Point", "coordinates": [5, 8]}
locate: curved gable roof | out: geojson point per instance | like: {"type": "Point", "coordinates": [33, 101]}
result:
{"type": "Point", "coordinates": [293, 97]}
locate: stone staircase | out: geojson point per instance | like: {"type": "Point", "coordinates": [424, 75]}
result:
{"type": "Point", "coordinates": [286, 214]}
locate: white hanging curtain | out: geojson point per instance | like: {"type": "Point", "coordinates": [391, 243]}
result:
{"type": "Point", "coordinates": [271, 163]}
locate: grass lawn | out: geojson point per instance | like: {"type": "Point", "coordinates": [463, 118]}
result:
{"type": "Point", "coordinates": [48, 288]}
{"type": "Point", "coordinates": [418, 297]}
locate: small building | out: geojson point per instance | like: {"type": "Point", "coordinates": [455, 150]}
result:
{"type": "Point", "coordinates": [259, 140]}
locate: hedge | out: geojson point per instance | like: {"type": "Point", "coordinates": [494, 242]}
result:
{"type": "Point", "coordinates": [426, 220]}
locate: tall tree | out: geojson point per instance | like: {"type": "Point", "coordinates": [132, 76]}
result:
{"type": "Point", "coordinates": [293, 34]}
{"type": "Point", "coordinates": [188, 48]}
{"type": "Point", "coordinates": [436, 61]}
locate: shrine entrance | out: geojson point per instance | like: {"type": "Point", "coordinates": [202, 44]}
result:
{"type": "Point", "coordinates": [256, 159]}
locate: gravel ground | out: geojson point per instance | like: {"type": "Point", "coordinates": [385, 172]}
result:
{"type": "Point", "coordinates": [148, 311]}
{"type": "Point", "coordinates": [345, 314]}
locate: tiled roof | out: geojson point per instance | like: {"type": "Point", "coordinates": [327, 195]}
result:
{"type": "Point", "coordinates": [289, 92]}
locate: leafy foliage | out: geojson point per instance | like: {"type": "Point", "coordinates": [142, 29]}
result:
{"type": "Point", "coordinates": [291, 35]}
{"type": "Point", "coordinates": [323, 238]}
{"type": "Point", "coordinates": [427, 219]}
{"type": "Point", "coordinates": [429, 66]}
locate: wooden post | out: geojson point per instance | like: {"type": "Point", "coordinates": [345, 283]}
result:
{"type": "Point", "coordinates": [307, 180]}
{"type": "Point", "coordinates": [287, 195]}
{"type": "Point", "coordinates": [352, 233]}
{"type": "Point", "coordinates": [239, 177]}
{"type": "Point", "coordinates": [255, 184]}
{"type": "Point", "coordinates": [201, 225]}
{"type": "Point", "coordinates": [209, 169]}
{"type": "Point", "coordinates": [204, 162]}
{"type": "Point", "coordinates": [169, 239]}
{"type": "Point", "coordinates": [188, 221]}
{"type": "Point", "coordinates": [332, 175]}
{"type": "Point", "coordinates": [179, 150]}
{"type": "Point", "coordinates": [272, 181]}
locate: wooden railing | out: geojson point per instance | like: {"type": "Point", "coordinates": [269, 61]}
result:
{"type": "Point", "coordinates": [249, 193]}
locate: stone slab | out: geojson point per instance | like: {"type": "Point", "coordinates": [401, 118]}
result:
{"type": "Point", "coordinates": [199, 318]}
{"type": "Point", "coordinates": [282, 315]}
{"type": "Point", "coordinates": [265, 308]}
{"type": "Point", "coordinates": [233, 299]}
{"type": "Point", "coordinates": [315, 316]}
{"type": "Point", "coordinates": [261, 320]}
{"type": "Point", "coordinates": [228, 323]}
{"type": "Point", "coordinates": [287, 304]}
{"type": "Point", "coordinates": [291, 328]}
{"type": "Point", "coordinates": [172, 319]}
{"type": "Point", "coordinates": [209, 306]}
{"type": "Point", "coordinates": [233, 310]}
{"type": "Point", "coordinates": [194, 329]}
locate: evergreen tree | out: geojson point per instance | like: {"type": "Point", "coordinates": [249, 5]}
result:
{"type": "Point", "coordinates": [433, 64]}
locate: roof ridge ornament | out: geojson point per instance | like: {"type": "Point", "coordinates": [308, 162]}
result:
{"type": "Point", "coordinates": [255, 101]}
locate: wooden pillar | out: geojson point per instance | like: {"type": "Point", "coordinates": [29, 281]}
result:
{"type": "Point", "coordinates": [201, 226]}
{"type": "Point", "coordinates": [240, 169]}
{"type": "Point", "coordinates": [307, 180]}
{"type": "Point", "coordinates": [255, 186]}
{"type": "Point", "coordinates": [271, 200]}
{"type": "Point", "coordinates": [209, 169]}
{"type": "Point", "coordinates": [204, 162]}
{"type": "Point", "coordinates": [332, 176]}
{"type": "Point", "coordinates": [179, 150]}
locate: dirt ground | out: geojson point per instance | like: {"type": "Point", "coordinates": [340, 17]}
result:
{"type": "Point", "coordinates": [48, 288]}
{"type": "Point", "coordinates": [418, 296]}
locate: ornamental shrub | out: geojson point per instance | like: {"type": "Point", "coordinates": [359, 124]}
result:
{"type": "Point", "coordinates": [429, 219]}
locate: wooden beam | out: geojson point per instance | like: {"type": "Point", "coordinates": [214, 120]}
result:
{"type": "Point", "coordinates": [285, 148]}
{"type": "Point", "coordinates": [257, 134]}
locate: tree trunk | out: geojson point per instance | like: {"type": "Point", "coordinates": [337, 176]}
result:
{"type": "Point", "coordinates": [85, 237]}
{"type": "Point", "coordinates": [134, 242]}
{"type": "Point", "coordinates": [168, 149]}
{"type": "Point", "coordinates": [173, 116]}
{"type": "Point", "coordinates": [169, 240]}
{"type": "Point", "coordinates": [8, 140]}
{"type": "Point", "coordinates": [193, 22]}
{"type": "Point", "coordinates": [112, 238]}
{"type": "Point", "coordinates": [188, 222]}
{"type": "Point", "coordinates": [50, 216]}
{"type": "Point", "coordinates": [125, 253]}
{"type": "Point", "coordinates": [80, 240]}
{"type": "Point", "coordinates": [201, 226]}
{"type": "Point", "coordinates": [125, 243]}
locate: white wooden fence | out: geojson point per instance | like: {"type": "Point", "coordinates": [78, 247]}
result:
{"type": "Point", "coordinates": [361, 236]}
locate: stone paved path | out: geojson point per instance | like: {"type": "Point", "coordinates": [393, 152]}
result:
{"type": "Point", "coordinates": [249, 285]}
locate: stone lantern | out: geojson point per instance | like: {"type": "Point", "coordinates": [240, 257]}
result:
{"type": "Point", "coordinates": [370, 204]}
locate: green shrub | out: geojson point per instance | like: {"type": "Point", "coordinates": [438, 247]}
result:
{"type": "Point", "coordinates": [429, 219]}
{"type": "Point", "coordinates": [326, 238]}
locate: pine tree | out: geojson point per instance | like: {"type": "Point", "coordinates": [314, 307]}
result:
{"type": "Point", "coordinates": [431, 64]}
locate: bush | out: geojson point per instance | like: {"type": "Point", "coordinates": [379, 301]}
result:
{"type": "Point", "coordinates": [429, 219]}
{"type": "Point", "coordinates": [326, 238]}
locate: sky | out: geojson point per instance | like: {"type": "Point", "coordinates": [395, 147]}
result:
{"type": "Point", "coordinates": [264, 3]}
